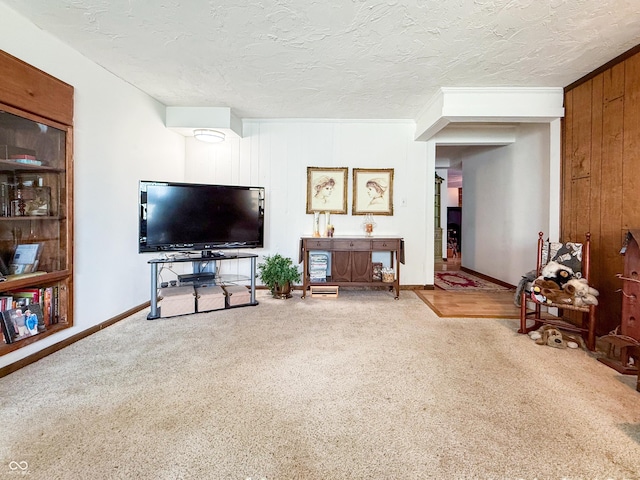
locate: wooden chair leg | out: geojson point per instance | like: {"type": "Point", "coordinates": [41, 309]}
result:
{"type": "Point", "coordinates": [523, 313]}
{"type": "Point", "coordinates": [591, 332]}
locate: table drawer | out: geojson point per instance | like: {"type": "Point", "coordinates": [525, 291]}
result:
{"type": "Point", "coordinates": [352, 245]}
{"type": "Point", "coordinates": [383, 245]}
{"type": "Point", "coordinates": [318, 244]}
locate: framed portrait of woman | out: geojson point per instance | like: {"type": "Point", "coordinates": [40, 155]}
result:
{"type": "Point", "coordinates": [327, 189]}
{"type": "Point", "coordinates": [372, 191]}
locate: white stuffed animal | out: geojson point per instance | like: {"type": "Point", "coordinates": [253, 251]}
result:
{"type": "Point", "coordinates": [583, 294]}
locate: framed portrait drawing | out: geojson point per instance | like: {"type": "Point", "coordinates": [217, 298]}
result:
{"type": "Point", "coordinates": [372, 191]}
{"type": "Point", "coordinates": [327, 189]}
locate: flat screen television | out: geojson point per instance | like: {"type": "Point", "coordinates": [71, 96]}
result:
{"type": "Point", "coordinates": [191, 216]}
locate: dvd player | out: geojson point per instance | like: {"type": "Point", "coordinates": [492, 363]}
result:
{"type": "Point", "coordinates": [196, 277]}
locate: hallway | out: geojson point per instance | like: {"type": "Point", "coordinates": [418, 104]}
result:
{"type": "Point", "coordinates": [473, 304]}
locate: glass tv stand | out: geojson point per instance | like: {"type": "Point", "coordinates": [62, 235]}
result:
{"type": "Point", "coordinates": [197, 260]}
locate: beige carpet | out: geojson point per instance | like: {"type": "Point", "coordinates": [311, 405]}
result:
{"type": "Point", "coordinates": [362, 386]}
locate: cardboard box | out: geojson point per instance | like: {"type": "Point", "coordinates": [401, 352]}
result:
{"type": "Point", "coordinates": [177, 301]}
{"type": "Point", "coordinates": [210, 297]}
{"type": "Point", "coordinates": [237, 295]}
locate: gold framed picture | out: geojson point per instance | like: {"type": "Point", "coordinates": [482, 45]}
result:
{"type": "Point", "coordinates": [372, 191]}
{"type": "Point", "coordinates": [327, 189]}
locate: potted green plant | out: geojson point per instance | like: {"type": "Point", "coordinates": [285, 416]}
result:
{"type": "Point", "coordinates": [278, 273]}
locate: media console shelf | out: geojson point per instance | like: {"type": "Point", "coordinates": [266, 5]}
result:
{"type": "Point", "coordinates": [351, 260]}
{"type": "Point", "coordinates": [197, 261]}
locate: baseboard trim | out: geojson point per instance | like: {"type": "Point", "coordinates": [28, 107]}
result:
{"type": "Point", "coordinates": [487, 277]}
{"type": "Point", "coordinates": [23, 362]}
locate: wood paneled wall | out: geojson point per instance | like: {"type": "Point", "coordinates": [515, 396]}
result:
{"type": "Point", "coordinates": [601, 172]}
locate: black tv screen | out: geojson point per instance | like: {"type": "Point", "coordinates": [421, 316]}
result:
{"type": "Point", "coordinates": [190, 216]}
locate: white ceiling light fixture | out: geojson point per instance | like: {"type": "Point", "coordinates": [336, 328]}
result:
{"type": "Point", "coordinates": [208, 135]}
{"type": "Point", "coordinates": [216, 123]}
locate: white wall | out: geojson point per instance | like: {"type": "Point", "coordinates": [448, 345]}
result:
{"type": "Point", "coordinates": [119, 138]}
{"type": "Point", "coordinates": [505, 204]}
{"type": "Point", "coordinates": [276, 154]}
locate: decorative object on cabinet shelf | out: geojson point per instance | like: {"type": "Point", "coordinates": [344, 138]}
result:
{"type": "Point", "coordinates": [368, 225]}
{"type": "Point", "coordinates": [13, 325]}
{"type": "Point", "coordinates": [30, 201]}
{"type": "Point", "coordinates": [328, 225]}
{"type": "Point", "coordinates": [26, 160]}
{"type": "Point", "coordinates": [316, 224]}
{"type": "Point", "coordinates": [376, 271]}
{"type": "Point", "coordinates": [388, 275]}
{"type": "Point", "coordinates": [14, 153]}
{"type": "Point", "coordinates": [327, 190]}
{"type": "Point", "coordinates": [22, 322]}
{"type": "Point", "coordinates": [372, 191]}
{"type": "Point", "coordinates": [330, 230]}
{"type": "Point", "coordinates": [318, 265]}
{"type": "Point", "coordinates": [25, 258]}
{"type": "Point", "coordinates": [278, 273]}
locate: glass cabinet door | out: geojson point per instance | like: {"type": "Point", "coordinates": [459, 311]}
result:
{"type": "Point", "coordinates": [32, 194]}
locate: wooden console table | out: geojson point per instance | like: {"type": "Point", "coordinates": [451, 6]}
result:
{"type": "Point", "coordinates": [351, 260]}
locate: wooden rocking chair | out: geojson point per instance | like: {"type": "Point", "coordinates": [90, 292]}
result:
{"type": "Point", "coordinates": [534, 314]}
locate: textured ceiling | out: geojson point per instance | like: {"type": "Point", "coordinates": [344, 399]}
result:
{"type": "Point", "coordinates": [361, 59]}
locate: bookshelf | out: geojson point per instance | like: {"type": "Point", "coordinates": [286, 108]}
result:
{"type": "Point", "coordinates": [36, 195]}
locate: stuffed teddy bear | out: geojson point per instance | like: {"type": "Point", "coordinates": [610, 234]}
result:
{"type": "Point", "coordinates": [556, 338]}
{"type": "Point", "coordinates": [583, 294]}
{"type": "Point", "coordinates": [557, 272]}
{"type": "Point", "coordinates": [550, 291]}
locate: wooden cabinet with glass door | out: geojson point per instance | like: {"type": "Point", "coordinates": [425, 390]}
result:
{"type": "Point", "coordinates": [35, 209]}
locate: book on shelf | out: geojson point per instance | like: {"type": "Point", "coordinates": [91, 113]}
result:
{"type": "Point", "coordinates": [25, 258]}
{"type": "Point", "coordinates": [25, 159]}
{"type": "Point", "coordinates": [28, 295]}
{"type": "Point", "coordinates": [14, 326]}
{"type": "Point", "coordinates": [46, 305]}
{"type": "Point", "coordinates": [6, 302]}
{"type": "Point", "coordinates": [50, 305]}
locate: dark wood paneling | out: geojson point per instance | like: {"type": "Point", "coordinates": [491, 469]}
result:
{"type": "Point", "coordinates": [613, 83]}
{"type": "Point", "coordinates": [594, 226]}
{"type": "Point", "coordinates": [581, 151]}
{"type": "Point", "coordinates": [567, 136]}
{"type": "Point", "coordinates": [35, 91]}
{"type": "Point", "coordinates": [631, 145]}
{"type": "Point", "coordinates": [581, 188]}
{"type": "Point", "coordinates": [603, 160]}
{"type": "Point", "coordinates": [610, 191]}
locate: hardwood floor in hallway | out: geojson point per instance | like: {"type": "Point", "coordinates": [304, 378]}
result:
{"type": "Point", "coordinates": [469, 303]}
